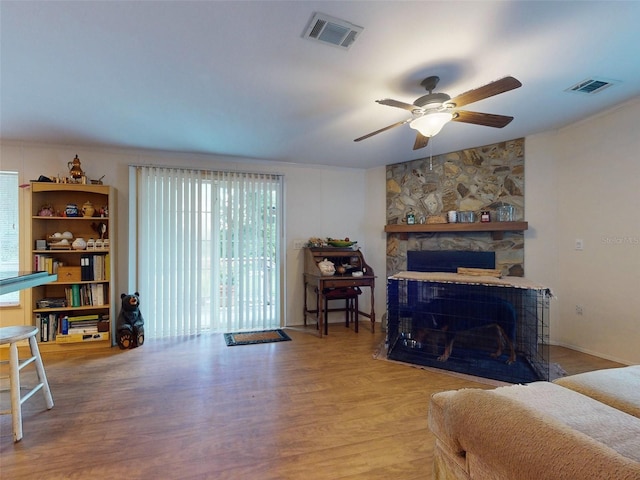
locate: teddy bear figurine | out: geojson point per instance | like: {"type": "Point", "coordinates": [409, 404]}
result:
{"type": "Point", "coordinates": [130, 325]}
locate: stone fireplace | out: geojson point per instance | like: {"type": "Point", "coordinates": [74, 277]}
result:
{"type": "Point", "coordinates": [477, 179]}
{"type": "Point", "coordinates": [426, 313]}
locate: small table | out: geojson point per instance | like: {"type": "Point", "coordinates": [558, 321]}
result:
{"type": "Point", "coordinates": [14, 281]}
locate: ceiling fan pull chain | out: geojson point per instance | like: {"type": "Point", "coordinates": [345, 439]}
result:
{"type": "Point", "coordinates": [431, 156]}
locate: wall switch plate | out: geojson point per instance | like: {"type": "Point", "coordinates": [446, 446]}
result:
{"type": "Point", "coordinates": [579, 244]}
{"type": "Point", "coordinates": [298, 244]}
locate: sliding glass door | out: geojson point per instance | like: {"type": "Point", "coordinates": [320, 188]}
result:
{"type": "Point", "coordinates": [207, 249]}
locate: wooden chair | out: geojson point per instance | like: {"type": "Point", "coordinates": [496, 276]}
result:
{"type": "Point", "coordinates": [350, 296]}
{"type": "Point", "coordinates": [11, 336]}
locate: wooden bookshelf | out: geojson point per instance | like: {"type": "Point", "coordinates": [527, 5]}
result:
{"type": "Point", "coordinates": [92, 291]}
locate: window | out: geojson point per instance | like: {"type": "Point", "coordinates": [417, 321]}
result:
{"type": "Point", "coordinates": [207, 250]}
{"type": "Point", "coordinates": [9, 231]}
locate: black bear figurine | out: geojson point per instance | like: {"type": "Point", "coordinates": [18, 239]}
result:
{"type": "Point", "coordinates": [130, 326]}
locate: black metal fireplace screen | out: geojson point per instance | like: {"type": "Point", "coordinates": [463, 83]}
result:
{"type": "Point", "coordinates": [488, 330]}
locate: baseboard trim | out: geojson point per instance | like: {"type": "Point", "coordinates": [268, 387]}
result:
{"type": "Point", "coordinates": [590, 352]}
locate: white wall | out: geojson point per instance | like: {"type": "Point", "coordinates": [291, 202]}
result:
{"type": "Point", "coordinates": [583, 182]}
{"type": "Point", "coordinates": [319, 201]}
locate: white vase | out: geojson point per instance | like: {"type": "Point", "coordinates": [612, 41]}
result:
{"type": "Point", "coordinates": [79, 244]}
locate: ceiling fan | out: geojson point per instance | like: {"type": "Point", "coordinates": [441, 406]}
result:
{"type": "Point", "coordinates": [431, 112]}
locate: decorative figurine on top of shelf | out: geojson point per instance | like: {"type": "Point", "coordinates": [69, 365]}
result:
{"type": "Point", "coordinates": [45, 211]}
{"type": "Point", "coordinates": [88, 210]}
{"type": "Point", "coordinates": [71, 210]}
{"type": "Point", "coordinates": [100, 228]}
{"type": "Point", "coordinates": [130, 326]}
{"type": "Point", "coordinates": [75, 170]}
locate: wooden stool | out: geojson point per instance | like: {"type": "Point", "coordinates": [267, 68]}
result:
{"type": "Point", "coordinates": [350, 296]}
{"type": "Point", "coordinates": [12, 335]}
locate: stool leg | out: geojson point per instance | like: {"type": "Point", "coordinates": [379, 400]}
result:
{"type": "Point", "coordinates": [14, 379]}
{"type": "Point", "coordinates": [42, 376]}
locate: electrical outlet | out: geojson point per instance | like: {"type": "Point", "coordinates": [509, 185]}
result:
{"type": "Point", "coordinates": [578, 309]}
{"type": "Point", "coordinates": [579, 244]}
{"type": "Point", "coordinates": [298, 244]}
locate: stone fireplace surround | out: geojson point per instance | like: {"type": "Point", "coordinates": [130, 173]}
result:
{"type": "Point", "coordinates": [476, 179]}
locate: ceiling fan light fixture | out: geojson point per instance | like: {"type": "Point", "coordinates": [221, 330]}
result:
{"type": "Point", "coordinates": [430, 124]}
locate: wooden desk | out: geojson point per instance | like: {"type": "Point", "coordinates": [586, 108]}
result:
{"type": "Point", "coordinates": [319, 284]}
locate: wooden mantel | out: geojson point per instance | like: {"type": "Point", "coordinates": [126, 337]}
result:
{"type": "Point", "coordinates": [497, 229]}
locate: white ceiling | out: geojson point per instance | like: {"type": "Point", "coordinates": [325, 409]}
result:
{"type": "Point", "coordinates": [237, 78]}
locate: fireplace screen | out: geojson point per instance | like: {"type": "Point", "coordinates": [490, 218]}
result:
{"type": "Point", "coordinates": [496, 331]}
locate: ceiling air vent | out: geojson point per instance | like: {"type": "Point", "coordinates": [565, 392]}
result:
{"type": "Point", "coordinates": [591, 86]}
{"type": "Point", "coordinates": [332, 31]}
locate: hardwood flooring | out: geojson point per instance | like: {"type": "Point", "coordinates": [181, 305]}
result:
{"type": "Point", "coordinates": [196, 409]}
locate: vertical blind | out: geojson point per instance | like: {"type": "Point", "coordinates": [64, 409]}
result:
{"type": "Point", "coordinates": [207, 250]}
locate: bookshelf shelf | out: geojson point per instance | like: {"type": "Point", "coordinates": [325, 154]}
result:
{"type": "Point", "coordinates": [71, 309]}
{"type": "Point", "coordinates": [87, 286]}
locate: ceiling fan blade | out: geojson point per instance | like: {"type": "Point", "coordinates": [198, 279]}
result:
{"type": "Point", "coordinates": [396, 103]}
{"type": "Point", "coordinates": [397, 124]}
{"type": "Point", "coordinates": [489, 90]}
{"type": "Point", "coordinates": [477, 118]}
{"type": "Point", "coordinates": [421, 141]}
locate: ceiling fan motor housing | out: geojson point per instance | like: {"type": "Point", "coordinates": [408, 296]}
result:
{"type": "Point", "coordinates": [432, 101]}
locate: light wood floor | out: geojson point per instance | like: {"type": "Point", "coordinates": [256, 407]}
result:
{"type": "Point", "coordinates": [194, 408]}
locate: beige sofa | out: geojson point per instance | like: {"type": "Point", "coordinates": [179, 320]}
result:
{"type": "Point", "coordinates": [584, 426]}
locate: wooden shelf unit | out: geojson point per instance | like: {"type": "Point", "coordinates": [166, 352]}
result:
{"type": "Point", "coordinates": [58, 195]}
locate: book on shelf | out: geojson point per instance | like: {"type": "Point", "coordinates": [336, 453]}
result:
{"type": "Point", "coordinates": [98, 267]}
{"type": "Point", "coordinates": [45, 263]}
{"type": "Point", "coordinates": [97, 294]}
{"type": "Point", "coordinates": [107, 267]}
{"type": "Point", "coordinates": [81, 318]}
{"type": "Point", "coordinates": [47, 323]}
{"type": "Point", "coordinates": [84, 268]}
{"type": "Point", "coordinates": [82, 330]}
{"type": "Point", "coordinates": [92, 267]}
{"type": "Point", "coordinates": [42, 322]}
{"type": "Point", "coordinates": [82, 337]}
{"type": "Point", "coordinates": [85, 295]}
{"type": "Point", "coordinates": [52, 302]}
{"type": "Point", "coordinates": [75, 295]}
{"type": "Point", "coordinates": [64, 325]}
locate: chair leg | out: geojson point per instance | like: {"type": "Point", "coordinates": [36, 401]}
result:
{"type": "Point", "coordinates": [42, 376]}
{"type": "Point", "coordinates": [356, 313]}
{"type": "Point", "coordinates": [347, 311]}
{"type": "Point", "coordinates": [326, 316]}
{"type": "Point", "coordinates": [14, 379]}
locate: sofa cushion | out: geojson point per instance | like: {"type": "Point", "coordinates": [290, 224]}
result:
{"type": "Point", "coordinates": [535, 431]}
{"type": "Point", "coordinates": [617, 387]}
{"type": "Point", "coordinates": [614, 428]}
